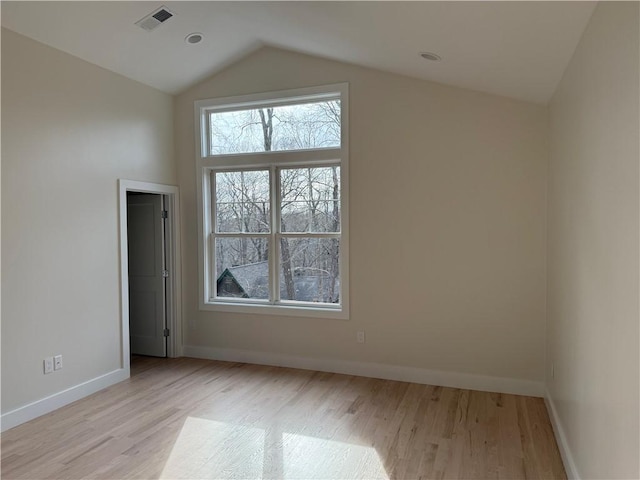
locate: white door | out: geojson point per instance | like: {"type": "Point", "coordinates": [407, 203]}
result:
{"type": "Point", "coordinates": [147, 307]}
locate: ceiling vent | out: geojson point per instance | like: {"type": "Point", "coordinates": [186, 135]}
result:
{"type": "Point", "coordinates": [155, 19]}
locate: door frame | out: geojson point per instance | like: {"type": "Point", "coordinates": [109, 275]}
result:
{"type": "Point", "coordinates": [173, 262]}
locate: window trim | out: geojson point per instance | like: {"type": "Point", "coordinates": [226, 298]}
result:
{"type": "Point", "coordinates": [206, 163]}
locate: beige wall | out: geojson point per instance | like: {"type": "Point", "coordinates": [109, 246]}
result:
{"type": "Point", "coordinates": [593, 244]}
{"type": "Point", "coordinates": [69, 131]}
{"type": "Point", "coordinates": [447, 225]}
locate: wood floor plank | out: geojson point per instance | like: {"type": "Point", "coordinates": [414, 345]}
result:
{"type": "Point", "coordinates": [188, 418]}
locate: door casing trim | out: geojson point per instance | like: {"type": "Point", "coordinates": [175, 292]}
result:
{"type": "Point", "coordinates": [174, 304]}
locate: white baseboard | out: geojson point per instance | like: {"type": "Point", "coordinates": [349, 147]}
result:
{"type": "Point", "coordinates": [48, 404]}
{"type": "Point", "coordinates": [373, 370]}
{"type": "Point", "coordinates": [561, 439]}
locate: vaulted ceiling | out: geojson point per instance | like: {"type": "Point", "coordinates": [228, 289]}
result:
{"type": "Point", "coordinates": [514, 49]}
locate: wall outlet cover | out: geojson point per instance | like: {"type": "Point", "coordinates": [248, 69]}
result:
{"type": "Point", "coordinates": [57, 362]}
{"type": "Point", "coordinates": [48, 365]}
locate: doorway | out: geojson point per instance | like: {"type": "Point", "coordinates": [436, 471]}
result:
{"type": "Point", "coordinates": [148, 274]}
{"type": "Point", "coordinates": [150, 277]}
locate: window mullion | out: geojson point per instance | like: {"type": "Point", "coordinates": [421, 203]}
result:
{"type": "Point", "coordinates": [274, 249]}
{"type": "Point", "coordinates": [311, 235]}
{"type": "Point", "coordinates": [212, 241]}
{"type": "Point", "coordinates": [213, 291]}
{"type": "Point", "coordinates": [241, 235]}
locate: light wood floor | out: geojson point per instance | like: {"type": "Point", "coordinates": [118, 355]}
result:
{"type": "Point", "coordinates": [187, 418]}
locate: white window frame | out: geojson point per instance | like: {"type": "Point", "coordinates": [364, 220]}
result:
{"type": "Point", "coordinates": [206, 164]}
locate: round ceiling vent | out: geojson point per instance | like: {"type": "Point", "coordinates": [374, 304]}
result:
{"type": "Point", "coordinates": [193, 38]}
{"type": "Point", "coordinates": [431, 56]}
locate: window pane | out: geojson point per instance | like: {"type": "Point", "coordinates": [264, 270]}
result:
{"type": "Point", "coordinates": [310, 269]}
{"type": "Point", "coordinates": [242, 201]}
{"type": "Point", "coordinates": [290, 127]}
{"type": "Point", "coordinates": [310, 199]}
{"type": "Point", "coordinates": [242, 267]}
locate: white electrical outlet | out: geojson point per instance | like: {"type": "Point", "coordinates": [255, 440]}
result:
{"type": "Point", "coordinates": [48, 365]}
{"type": "Point", "coordinates": [360, 337]}
{"type": "Point", "coordinates": [57, 362]}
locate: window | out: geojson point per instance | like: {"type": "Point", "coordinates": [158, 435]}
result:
{"type": "Point", "coordinates": [273, 203]}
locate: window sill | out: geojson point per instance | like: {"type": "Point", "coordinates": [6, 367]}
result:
{"type": "Point", "coordinates": [277, 310]}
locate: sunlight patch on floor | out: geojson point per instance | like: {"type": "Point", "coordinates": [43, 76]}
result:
{"type": "Point", "coordinates": [315, 458]}
{"type": "Point", "coordinates": [211, 449]}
